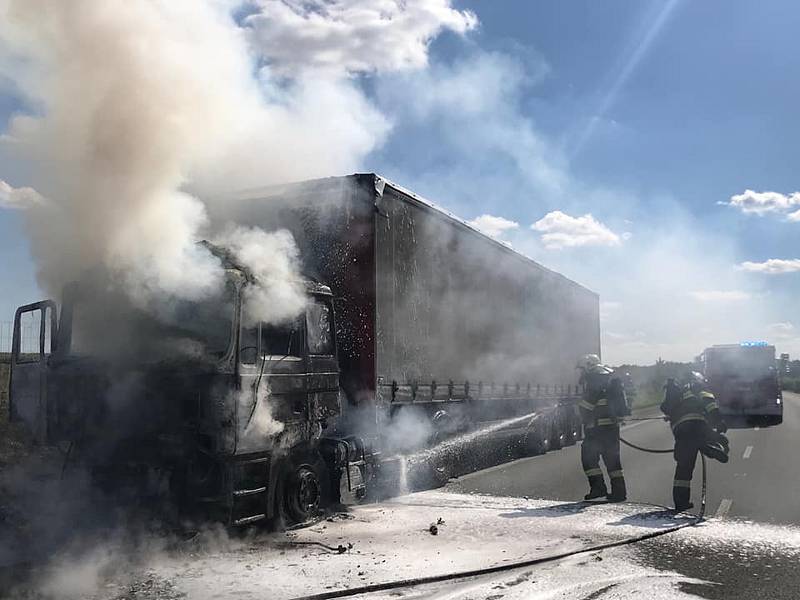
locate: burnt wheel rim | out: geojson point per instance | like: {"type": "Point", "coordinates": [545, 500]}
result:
{"type": "Point", "coordinates": [306, 494]}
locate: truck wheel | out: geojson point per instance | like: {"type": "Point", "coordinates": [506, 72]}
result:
{"type": "Point", "coordinates": [536, 442]}
{"type": "Point", "coordinates": [537, 445]}
{"type": "Point", "coordinates": [556, 438]}
{"type": "Point", "coordinates": [304, 489]}
{"type": "Point", "coordinates": [571, 437]}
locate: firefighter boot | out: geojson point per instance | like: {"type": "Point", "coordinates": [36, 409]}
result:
{"type": "Point", "coordinates": [680, 495]}
{"type": "Point", "coordinates": [597, 488]}
{"type": "Point", "coordinates": [618, 491]}
{"type": "Point", "coordinates": [715, 450]}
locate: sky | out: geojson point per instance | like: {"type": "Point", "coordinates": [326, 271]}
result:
{"type": "Point", "coordinates": [645, 150]}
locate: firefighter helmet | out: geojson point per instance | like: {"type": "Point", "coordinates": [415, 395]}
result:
{"type": "Point", "coordinates": [591, 364]}
{"type": "Point", "coordinates": [695, 381]}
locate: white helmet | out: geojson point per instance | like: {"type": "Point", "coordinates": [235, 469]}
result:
{"type": "Point", "coordinates": [695, 380]}
{"type": "Point", "coordinates": [591, 364]}
{"type": "Point", "coordinates": [589, 361]}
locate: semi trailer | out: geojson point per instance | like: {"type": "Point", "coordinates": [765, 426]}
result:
{"type": "Point", "coordinates": [417, 328]}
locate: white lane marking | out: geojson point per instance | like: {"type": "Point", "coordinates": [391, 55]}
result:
{"type": "Point", "coordinates": [747, 452]}
{"type": "Point", "coordinates": [724, 507]}
{"type": "Point", "coordinates": [756, 428]}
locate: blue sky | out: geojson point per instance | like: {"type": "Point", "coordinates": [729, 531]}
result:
{"type": "Point", "coordinates": [649, 116]}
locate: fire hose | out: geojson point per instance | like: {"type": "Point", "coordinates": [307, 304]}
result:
{"type": "Point", "coordinates": [704, 488]}
{"type": "Point", "coordinates": [391, 585]}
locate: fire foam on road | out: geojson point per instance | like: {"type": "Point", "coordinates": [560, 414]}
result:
{"type": "Point", "coordinates": [392, 541]}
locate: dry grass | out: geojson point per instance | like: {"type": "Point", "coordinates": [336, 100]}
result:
{"type": "Point", "coordinates": [15, 444]}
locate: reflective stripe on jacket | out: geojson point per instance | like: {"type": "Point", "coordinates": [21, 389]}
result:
{"type": "Point", "coordinates": [690, 407]}
{"type": "Point", "coordinates": [595, 411]}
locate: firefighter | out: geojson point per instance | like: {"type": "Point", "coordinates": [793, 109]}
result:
{"type": "Point", "coordinates": [601, 411]}
{"type": "Point", "coordinates": [698, 427]}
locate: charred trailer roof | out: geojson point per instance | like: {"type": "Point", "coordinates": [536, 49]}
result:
{"type": "Point", "coordinates": [421, 295]}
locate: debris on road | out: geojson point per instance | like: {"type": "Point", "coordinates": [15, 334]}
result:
{"type": "Point", "coordinates": [340, 549]}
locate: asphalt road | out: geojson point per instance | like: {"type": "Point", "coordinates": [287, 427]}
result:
{"type": "Point", "coordinates": [760, 483]}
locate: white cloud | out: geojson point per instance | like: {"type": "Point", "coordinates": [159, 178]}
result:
{"type": "Point", "coordinates": [493, 226]}
{"type": "Point", "coordinates": [18, 198]}
{"type": "Point", "coordinates": [763, 203]}
{"type": "Point", "coordinates": [773, 266]}
{"type": "Point", "coordinates": [350, 36]}
{"type": "Point", "coordinates": [783, 330]}
{"type": "Point", "coordinates": [560, 230]}
{"type": "Point", "coordinates": [719, 295]}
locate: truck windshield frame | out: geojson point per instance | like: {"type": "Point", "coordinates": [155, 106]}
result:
{"type": "Point", "coordinates": [201, 328]}
{"type": "Point", "coordinates": [267, 340]}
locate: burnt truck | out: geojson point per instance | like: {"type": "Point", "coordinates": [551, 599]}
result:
{"type": "Point", "coordinates": [417, 329]}
{"type": "Point", "coordinates": [744, 379]}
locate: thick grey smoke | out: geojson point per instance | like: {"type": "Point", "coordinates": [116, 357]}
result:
{"type": "Point", "coordinates": [138, 108]}
{"type": "Point", "coordinates": [136, 103]}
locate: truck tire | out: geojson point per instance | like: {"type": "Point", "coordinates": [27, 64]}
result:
{"type": "Point", "coordinates": [556, 437]}
{"type": "Point", "coordinates": [304, 488]}
{"type": "Point", "coordinates": [536, 441]}
{"type": "Point", "coordinates": [537, 444]}
{"type": "Point", "coordinates": [573, 431]}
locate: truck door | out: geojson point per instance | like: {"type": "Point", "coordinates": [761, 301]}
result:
{"type": "Point", "coordinates": [34, 332]}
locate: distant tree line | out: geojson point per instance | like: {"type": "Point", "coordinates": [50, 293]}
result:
{"type": "Point", "coordinates": [648, 381]}
{"type": "Point", "coordinates": [790, 376]}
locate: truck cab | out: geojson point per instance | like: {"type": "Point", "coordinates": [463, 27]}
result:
{"type": "Point", "coordinates": [197, 403]}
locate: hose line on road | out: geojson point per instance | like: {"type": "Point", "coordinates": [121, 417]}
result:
{"type": "Point", "coordinates": [392, 585]}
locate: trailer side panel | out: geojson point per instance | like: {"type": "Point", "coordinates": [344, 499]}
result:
{"type": "Point", "coordinates": [455, 304]}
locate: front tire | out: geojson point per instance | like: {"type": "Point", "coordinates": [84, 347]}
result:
{"type": "Point", "coordinates": [304, 489]}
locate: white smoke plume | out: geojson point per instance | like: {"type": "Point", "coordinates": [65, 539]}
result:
{"type": "Point", "coordinates": [256, 421]}
{"type": "Point", "coordinates": [273, 258]}
{"type": "Point", "coordinates": [137, 108]}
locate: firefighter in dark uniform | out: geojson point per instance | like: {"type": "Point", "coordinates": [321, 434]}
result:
{"type": "Point", "coordinates": [698, 427]}
{"type": "Point", "coordinates": [601, 414]}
